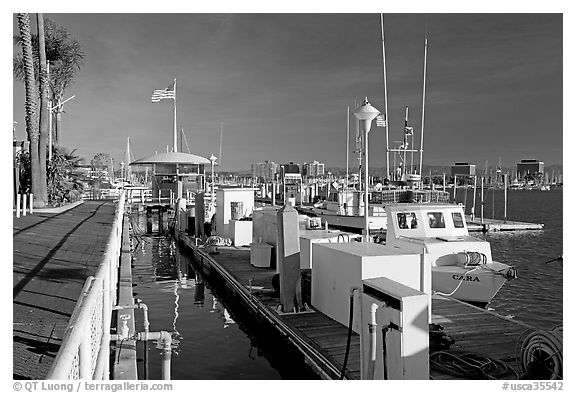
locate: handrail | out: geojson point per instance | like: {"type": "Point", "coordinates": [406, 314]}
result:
{"type": "Point", "coordinates": [85, 348]}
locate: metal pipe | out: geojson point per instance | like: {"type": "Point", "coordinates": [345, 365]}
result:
{"type": "Point", "coordinates": [372, 331]}
{"type": "Point", "coordinates": [482, 200]}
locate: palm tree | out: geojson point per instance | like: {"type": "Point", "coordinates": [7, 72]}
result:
{"type": "Point", "coordinates": [44, 111]}
{"type": "Point", "coordinates": [65, 57]}
{"type": "Point", "coordinates": [31, 115]}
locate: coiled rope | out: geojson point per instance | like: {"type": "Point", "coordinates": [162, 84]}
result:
{"type": "Point", "coordinates": [541, 353]}
{"type": "Point", "coordinates": [469, 365]}
{"type": "Point", "coordinates": [218, 241]}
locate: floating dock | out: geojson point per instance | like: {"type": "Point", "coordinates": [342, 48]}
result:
{"type": "Point", "coordinates": [322, 341]}
{"type": "Point", "coordinates": [491, 225]}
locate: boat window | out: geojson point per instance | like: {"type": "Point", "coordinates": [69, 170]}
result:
{"type": "Point", "coordinates": [407, 220]}
{"type": "Point", "coordinates": [458, 221]}
{"type": "Point", "coordinates": [436, 220]}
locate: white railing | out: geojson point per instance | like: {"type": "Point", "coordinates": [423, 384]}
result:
{"type": "Point", "coordinates": [85, 350]}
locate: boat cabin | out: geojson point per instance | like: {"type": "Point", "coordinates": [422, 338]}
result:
{"type": "Point", "coordinates": [439, 230]}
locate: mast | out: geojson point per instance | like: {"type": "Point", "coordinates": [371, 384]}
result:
{"type": "Point", "coordinates": [127, 158]}
{"type": "Point", "coordinates": [385, 96]}
{"type": "Point", "coordinates": [347, 143]}
{"type": "Point", "coordinates": [423, 103]}
{"type": "Point", "coordinates": [220, 150]}
{"type": "Point", "coordinates": [175, 128]}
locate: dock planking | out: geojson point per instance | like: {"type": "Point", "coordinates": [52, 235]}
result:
{"type": "Point", "coordinates": [53, 254]}
{"type": "Point", "coordinates": [475, 330]}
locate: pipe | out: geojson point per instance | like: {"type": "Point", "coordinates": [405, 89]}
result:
{"type": "Point", "coordinates": [166, 339]}
{"type": "Point", "coordinates": [144, 308]}
{"type": "Point", "coordinates": [372, 331]}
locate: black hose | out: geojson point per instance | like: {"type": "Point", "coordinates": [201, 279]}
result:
{"type": "Point", "coordinates": [384, 332]}
{"type": "Point", "coordinates": [350, 319]}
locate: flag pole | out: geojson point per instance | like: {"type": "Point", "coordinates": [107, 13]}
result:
{"type": "Point", "coordinates": [175, 127]}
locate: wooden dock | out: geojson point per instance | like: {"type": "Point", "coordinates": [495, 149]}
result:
{"type": "Point", "coordinates": [322, 341]}
{"type": "Point", "coordinates": [53, 254]}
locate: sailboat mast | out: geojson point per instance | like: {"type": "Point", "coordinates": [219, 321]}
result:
{"type": "Point", "coordinates": [385, 96]}
{"type": "Point", "coordinates": [423, 105]}
{"type": "Point", "coordinates": [220, 150]}
{"type": "Point", "coordinates": [347, 144]}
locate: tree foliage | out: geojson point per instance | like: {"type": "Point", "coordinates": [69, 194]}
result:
{"type": "Point", "coordinates": [63, 52]}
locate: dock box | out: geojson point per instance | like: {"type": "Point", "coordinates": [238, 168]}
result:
{"type": "Point", "coordinates": [337, 267]}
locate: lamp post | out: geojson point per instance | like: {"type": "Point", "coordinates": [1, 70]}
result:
{"type": "Point", "coordinates": [365, 114]}
{"type": "Point", "coordinates": [121, 172]}
{"type": "Point", "coordinates": [212, 159]}
{"type": "Point", "coordinates": [50, 109]}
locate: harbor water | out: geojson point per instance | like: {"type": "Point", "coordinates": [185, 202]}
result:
{"type": "Point", "coordinates": [212, 343]}
{"type": "Point", "coordinates": [536, 295]}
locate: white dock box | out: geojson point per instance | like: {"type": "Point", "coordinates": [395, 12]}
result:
{"type": "Point", "coordinates": [309, 237]}
{"type": "Point", "coordinates": [337, 267]}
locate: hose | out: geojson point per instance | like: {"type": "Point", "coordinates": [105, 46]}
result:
{"type": "Point", "coordinates": [350, 319]}
{"type": "Point", "coordinates": [541, 353]}
{"type": "Point", "coordinates": [469, 365]}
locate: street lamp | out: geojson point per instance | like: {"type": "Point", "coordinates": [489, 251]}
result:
{"type": "Point", "coordinates": [365, 114]}
{"type": "Point", "coordinates": [213, 159]}
{"type": "Point", "coordinates": [121, 172]}
{"type": "Point", "coordinates": [50, 109]}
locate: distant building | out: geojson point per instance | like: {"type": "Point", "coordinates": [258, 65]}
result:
{"type": "Point", "coordinates": [529, 167]}
{"type": "Point", "coordinates": [264, 171]}
{"type": "Point", "coordinates": [314, 169]}
{"type": "Point", "coordinates": [463, 169]}
{"type": "Point", "coordinates": [290, 168]}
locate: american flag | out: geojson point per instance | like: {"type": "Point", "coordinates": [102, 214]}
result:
{"type": "Point", "coordinates": [380, 121]}
{"type": "Point", "coordinates": [168, 92]}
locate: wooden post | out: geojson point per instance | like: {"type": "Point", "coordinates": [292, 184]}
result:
{"type": "Point", "coordinates": [24, 205]}
{"type": "Point", "coordinates": [288, 258]}
{"type": "Point", "coordinates": [18, 196]}
{"type": "Point", "coordinates": [31, 203]}
{"type": "Point", "coordinates": [148, 220]}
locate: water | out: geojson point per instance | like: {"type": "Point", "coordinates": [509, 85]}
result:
{"type": "Point", "coordinates": [207, 342]}
{"type": "Point", "coordinates": [213, 343]}
{"type": "Point", "coordinates": [536, 296]}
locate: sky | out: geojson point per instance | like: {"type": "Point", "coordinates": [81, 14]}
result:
{"type": "Point", "coordinates": [280, 85]}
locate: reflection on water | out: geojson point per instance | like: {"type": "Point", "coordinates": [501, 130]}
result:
{"type": "Point", "coordinates": [207, 343]}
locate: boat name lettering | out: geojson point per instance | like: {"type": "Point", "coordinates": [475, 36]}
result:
{"type": "Point", "coordinates": [461, 277]}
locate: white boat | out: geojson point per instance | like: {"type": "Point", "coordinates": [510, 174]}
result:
{"type": "Point", "coordinates": [344, 208]}
{"type": "Point", "coordinates": [462, 266]}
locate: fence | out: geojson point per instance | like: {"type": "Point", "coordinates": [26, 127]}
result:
{"type": "Point", "coordinates": [85, 350]}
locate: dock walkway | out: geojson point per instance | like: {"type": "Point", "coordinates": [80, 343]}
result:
{"type": "Point", "coordinates": [323, 340]}
{"type": "Point", "coordinates": [53, 254]}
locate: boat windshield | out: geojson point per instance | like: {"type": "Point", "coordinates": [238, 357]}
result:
{"type": "Point", "coordinates": [407, 220]}
{"type": "Point", "coordinates": [436, 220]}
{"type": "Point", "coordinates": [457, 220]}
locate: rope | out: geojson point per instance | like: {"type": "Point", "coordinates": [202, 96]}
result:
{"type": "Point", "coordinates": [469, 365]}
{"type": "Point", "coordinates": [218, 241]}
{"type": "Point", "coordinates": [541, 353]}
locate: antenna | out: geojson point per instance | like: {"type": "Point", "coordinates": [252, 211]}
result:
{"type": "Point", "coordinates": [220, 150]}
{"type": "Point", "coordinates": [423, 101]}
{"type": "Point", "coordinates": [385, 96]}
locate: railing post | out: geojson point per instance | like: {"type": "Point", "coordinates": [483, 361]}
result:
{"type": "Point", "coordinates": [85, 356]}
{"type": "Point", "coordinates": [23, 205]}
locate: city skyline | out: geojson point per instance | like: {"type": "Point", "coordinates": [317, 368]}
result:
{"type": "Point", "coordinates": [281, 85]}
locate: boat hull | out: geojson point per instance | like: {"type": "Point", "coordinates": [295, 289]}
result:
{"type": "Point", "coordinates": [375, 223]}
{"type": "Point", "coordinates": [477, 285]}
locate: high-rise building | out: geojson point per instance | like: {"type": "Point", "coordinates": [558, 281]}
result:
{"type": "Point", "coordinates": [315, 169]}
{"type": "Point", "coordinates": [264, 171]}
{"type": "Point", "coordinates": [529, 167]}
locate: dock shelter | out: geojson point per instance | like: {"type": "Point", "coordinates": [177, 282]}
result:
{"type": "Point", "coordinates": [175, 173]}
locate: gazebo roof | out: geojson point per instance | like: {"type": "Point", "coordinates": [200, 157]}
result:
{"type": "Point", "coordinates": [171, 158]}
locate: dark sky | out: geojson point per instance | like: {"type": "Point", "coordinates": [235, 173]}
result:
{"type": "Point", "coordinates": [281, 83]}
